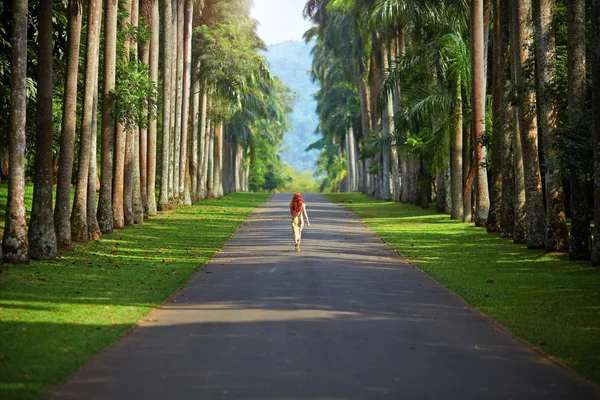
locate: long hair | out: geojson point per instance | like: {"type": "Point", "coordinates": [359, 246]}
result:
{"type": "Point", "coordinates": [296, 203]}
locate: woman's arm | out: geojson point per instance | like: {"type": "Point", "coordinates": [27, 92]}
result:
{"type": "Point", "coordinates": [305, 214]}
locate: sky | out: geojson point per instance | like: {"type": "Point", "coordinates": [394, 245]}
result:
{"type": "Point", "coordinates": [280, 20]}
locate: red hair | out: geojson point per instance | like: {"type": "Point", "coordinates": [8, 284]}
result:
{"type": "Point", "coordinates": [296, 204]}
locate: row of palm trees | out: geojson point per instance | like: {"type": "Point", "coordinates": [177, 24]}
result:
{"type": "Point", "coordinates": [459, 93]}
{"type": "Point", "coordinates": [179, 93]}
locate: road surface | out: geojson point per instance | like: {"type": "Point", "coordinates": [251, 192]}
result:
{"type": "Point", "coordinates": [345, 318]}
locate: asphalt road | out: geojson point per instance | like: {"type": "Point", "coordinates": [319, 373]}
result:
{"type": "Point", "coordinates": [343, 319]}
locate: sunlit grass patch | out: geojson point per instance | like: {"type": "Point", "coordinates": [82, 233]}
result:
{"type": "Point", "coordinates": [543, 298]}
{"type": "Point", "coordinates": [55, 315]}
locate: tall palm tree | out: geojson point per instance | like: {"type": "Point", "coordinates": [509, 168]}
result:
{"type": "Point", "coordinates": [482, 202]}
{"type": "Point", "coordinates": [507, 211]}
{"type": "Point", "coordinates": [152, 128]}
{"type": "Point", "coordinates": [41, 235]}
{"type": "Point", "coordinates": [534, 202]}
{"type": "Point", "coordinates": [519, 231]}
{"type": "Point", "coordinates": [15, 248]}
{"type": "Point", "coordinates": [596, 112]}
{"type": "Point", "coordinates": [579, 241]}
{"type": "Point", "coordinates": [92, 222]}
{"type": "Point", "coordinates": [105, 207]}
{"type": "Point", "coordinates": [167, 56]}
{"type": "Point", "coordinates": [118, 193]}
{"type": "Point", "coordinates": [79, 228]}
{"type": "Point", "coordinates": [557, 233]}
{"type": "Point", "coordinates": [69, 124]}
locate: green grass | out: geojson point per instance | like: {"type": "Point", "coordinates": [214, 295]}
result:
{"type": "Point", "coordinates": [550, 302]}
{"type": "Point", "coordinates": [55, 315]}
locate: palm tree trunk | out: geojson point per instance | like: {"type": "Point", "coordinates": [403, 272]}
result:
{"type": "Point", "coordinates": [105, 209]}
{"type": "Point", "coordinates": [79, 228]}
{"type": "Point", "coordinates": [69, 124]}
{"type": "Point", "coordinates": [456, 151]}
{"type": "Point", "coordinates": [130, 140]}
{"type": "Point", "coordinates": [119, 201]}
{"type": "Point", "coordinates": [146, 13]}
{"type": "Point", "coordinates": [163, 201]}
{"type": "Point", "coordinates": [186, 88]}
{"type": "Point", "coordinates": [596, 128]}
{"type": "Point", "coordinates": [152, 128]}
{"type": "Point", "coordinates": [14, 243]}
{"type": "Point", "coordinates": [173, 102]}
{"type": "Point", "coordinates": [92, 221]}
{"type": "Point", "coordinates": [203, 161]}
{"type": "Point", "coordinates": [386, 190]}
{"type": "Point", "coordinates": [579, 243]}
{"type": "Point", "coordinates": [467, 192]}
{"type": "Point", "coordinates": [178, 104]}
{"type": "Point", "coordinates": [493, 222]}
{"type": "Point", "coordinates": [507, 210]}
{"type": "Point", "coordinates": [534, 202]}
{"type": "Point", "coordinates": [207, 160]}
{"type": "Point", "coordinates": [41, 235]}
{"type": "Point", "coordinates": [196, 151]}
{"type": "Point", "coordinates": [210, 186]}
{"type": "Point", "coordinates": [218, 163]}
{"type": "Point", "coordinates": [365, 116]}
{"type": "Point", "coordinates": [239, 164]}
{"type": "Point", "coordinates": [557, 233]}
{"type": "Point", "coordinates": [482, 201]}
{"type": "Point", "coordinates": [440, 191]}
{"type": "Point", "coordinates": [519, 233]}
{"type": "Point", "coordinates": [134, 146]}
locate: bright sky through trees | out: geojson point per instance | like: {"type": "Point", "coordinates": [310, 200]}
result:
{"type": "Point", "coordinates": [280, 20]}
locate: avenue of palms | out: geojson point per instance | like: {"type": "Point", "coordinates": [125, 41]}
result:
{"type": "Point", "coordinates": [175, 99]}
{"type": "Point", "coordinates": [141, 147]}
{"type": "Point", "coordinates": [482, 104]}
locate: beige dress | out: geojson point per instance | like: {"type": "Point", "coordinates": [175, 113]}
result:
{"type": "Point", "coordinates": [297, 225]}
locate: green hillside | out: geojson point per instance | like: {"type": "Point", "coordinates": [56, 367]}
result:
{"type": "Point", "coordinates": [291, 61]}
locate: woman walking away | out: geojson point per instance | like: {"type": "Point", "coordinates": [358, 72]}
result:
{"type": "Point", "coordinates": [297, 208]}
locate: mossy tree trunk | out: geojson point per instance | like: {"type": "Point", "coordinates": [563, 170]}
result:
{"type": "Point", "coordinates": [105, 209]}
{"type": "Point", "coordinates": [41, 235]}
{"type": "Point", "coordinates": [62, 221]}
{"type": "Point", "coordinates": [557, 233]}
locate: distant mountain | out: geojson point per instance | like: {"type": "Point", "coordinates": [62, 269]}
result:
{"type": "Point", "coordinates": [291, 62]}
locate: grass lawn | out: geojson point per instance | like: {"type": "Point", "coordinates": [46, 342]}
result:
{"type": "Point", "coordinates": [543, 298]}
{"type": "Point", "coordinates": [55, 315]}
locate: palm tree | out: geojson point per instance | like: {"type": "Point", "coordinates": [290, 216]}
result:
{"type": "Point", "coordinates": [557, 233]}
{"type": "Point", "coordinates": [519, 231]}
{"type": "Point", "coordinates": [41, 235]}
{"type": "Point", "coordinates": [133, 138]}
{"type": "Point", "coordinates": [482, 201]}
{"type": "Point", "coordinates": [118, 194]}
{"type": "Point", "coordinates": [15, 246]}
{"type": "Point", "coordinates": [69, 124]}
{"type": "Point", "coordinates": [167, 56]}
{"type": "Point", "coordinates": [186, 88]}
{"type": "Point", "coordinates": [92, 221]}
{"type": "Point", "coordinates": [105, 208]}
{"type": "Point", "coordinates": [142, 153]}
{"type": "Point", "coordinates": [79, 228]}
{"type": "Point", "coordinates": [507, 211]}
{"type": "Point", "coordinates": [493, 222]}
{"type": "Point", "coordinates": [579, 242]}
{"type": "Point", "coordinates": [596, 112]}
{"type": "Point", "coordinates": [151, 155]}
{"type": "Point", "coordinates": [536, 219]}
